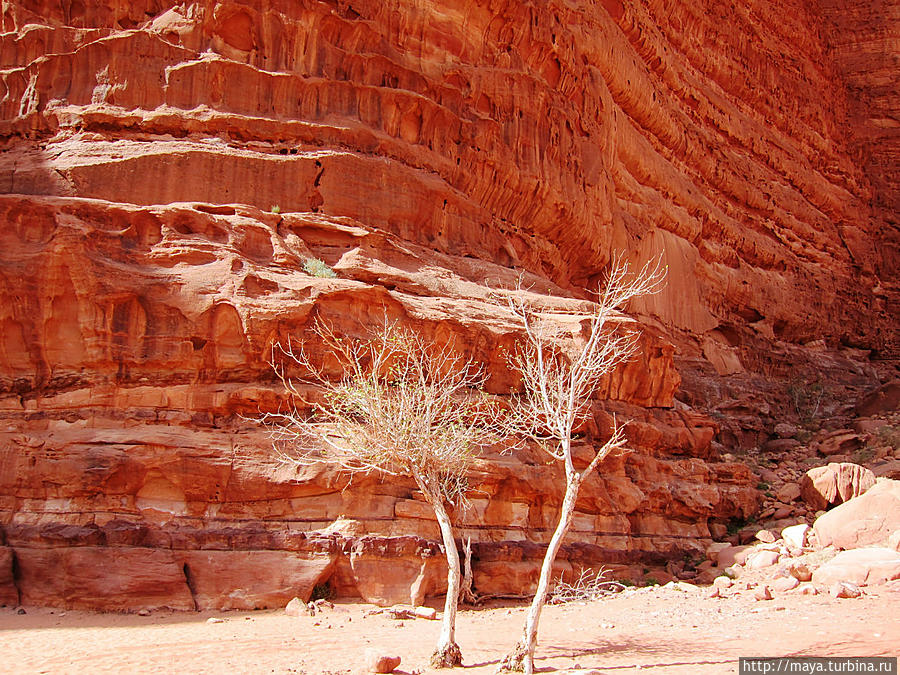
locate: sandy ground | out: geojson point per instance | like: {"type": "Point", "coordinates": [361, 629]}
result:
{"type": "Point", "coordinates": [657, 630]}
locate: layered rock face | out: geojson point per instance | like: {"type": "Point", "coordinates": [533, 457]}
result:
{"type": "Point", "coordinates": [168, 169]}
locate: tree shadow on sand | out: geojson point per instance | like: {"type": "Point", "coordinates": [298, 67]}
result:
{"type": "Point", "coordinates": [647, 655]}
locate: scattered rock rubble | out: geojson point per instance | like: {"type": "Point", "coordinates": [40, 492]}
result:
{"type": "Point", "coordinates": [844, 551]}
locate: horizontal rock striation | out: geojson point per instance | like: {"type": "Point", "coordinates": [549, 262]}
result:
{"type": "Point", "coordinates": [166, 170]}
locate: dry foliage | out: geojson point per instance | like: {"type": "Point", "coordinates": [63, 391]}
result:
{"type": "Point", "coordinates": [587, 586]}
{"type": "Point", "coordinates": [560, 379]}
{"type": "Point", "coordinates": [403, 407]}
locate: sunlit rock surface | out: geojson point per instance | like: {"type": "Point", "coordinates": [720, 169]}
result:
{"type": "Point", "coordinates": [167, 169]}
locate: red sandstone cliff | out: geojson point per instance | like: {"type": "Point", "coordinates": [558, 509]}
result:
{"type": "Point", "coordinates": [426, 152]}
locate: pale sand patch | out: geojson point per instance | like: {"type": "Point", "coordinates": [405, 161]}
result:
{"type": "Point", "coordinates": [661, 631]}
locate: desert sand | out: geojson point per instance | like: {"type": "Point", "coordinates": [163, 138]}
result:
{"type": "Point", "coordinates": [656, 630]}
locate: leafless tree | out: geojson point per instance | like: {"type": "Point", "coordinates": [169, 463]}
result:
{"type": "Point", "coordinates": [558, 384]}
{"type": "Point", "coordinates": [403, 407]}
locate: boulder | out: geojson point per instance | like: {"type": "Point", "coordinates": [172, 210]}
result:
{"type": "Point", "coordinates": [429, 613]}
{"type": "Point", "coordinates": [840, 442]}
{"type": "Point", "coordinates": [705, 572]}
{"type": "Point", "coordinates": [868, 426]}
{"type": "Point", "coordinates": [788, 493]}
{"type": "Point", "coordinates": [132, 578]}
{"type": "Point", "coordinates": [800, 571]}
{"type": "Point", "coordinates": [867, 520]}
{"type": "Point", "coordinates": [713, 550]}
{"type": "Point", "coordinates": [383, 580]}
{"type": "Point", "coordinates": [378, 662]}
{"type": "Point", "coordinates": [733, 571]}
{"type": "Point", "coordinates": [296, 607]}
{"type": "Point", "coordinates": [786, 430]}
{"type": "Point", "coordinates": [246, 580]}
{"type": "Point", "coordinates": [780, 445]}
{"type": "Point", "coordinates": [785, 584]}
{"type": "Point", "coordinates": [861, 566]}
{"type": "Point", "coordinates": [733, 555]}
{"type": "Point", "coordinates": [782, 512]}
{"type": "Point", "coordinates": [718, 530]}
{"type": "Point", "coordinates": [795, 536]}
{"type": "Point", "coordinates": [844, 589]}
{"type": "Point", "coordinates": [766, 536]}
{"type": "Point", "coordinates": [769, 476]}
{"type": "Point", "coordinates": [763, 593]}
{"type": "Point", "coordinates": [886, 468]}
{"type": "Point", "coordinates": [834, 484]}
{"type": "Point", "coordinates": [884, 399]}
{"type": "Point", "coordinates": [761, 559]}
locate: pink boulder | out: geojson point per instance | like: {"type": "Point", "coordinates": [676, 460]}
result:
{"type": "Point", "coordinates": [377, 662]}
{"type": "Point", "coordinates": [763, 593]}
{"type": "Point", "coordinates": [869, 519]}
{"type": "Point", "coordinates": [296, 607]}
{"type": "Point", "coordinates": [761, 559]}
{"type": "Point", "coordinates": [733, 555]}
{"type": "Point", "coordinates": [844, 589]}
{"type": "Point", "coordinates": [785, 584]}
{"type": "Point", "coordinates": [861, 566]}
{"type": "Point", "coordinates": [834, 484]}
{"type": "Point", "coordinates": [795, 535]}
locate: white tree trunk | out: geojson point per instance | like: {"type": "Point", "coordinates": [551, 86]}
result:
{"type": "Point", "coordinates": [467, 593]}
{"type": "Point", "coordinates": [447, 652]}
{"type": "Point", "coordinates": [525, 649]}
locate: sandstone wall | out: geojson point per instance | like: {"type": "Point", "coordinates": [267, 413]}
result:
{"type": "Point", "coordinates": [426, 152]}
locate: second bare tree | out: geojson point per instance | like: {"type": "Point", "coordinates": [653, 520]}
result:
{"type": "Point", "coordinates": [558, 385]}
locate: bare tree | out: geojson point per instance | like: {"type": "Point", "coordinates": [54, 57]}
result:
{"type": "Point", "coordinates": [558, 385]}
{"type": "Point", "coordinates": [403, 407]}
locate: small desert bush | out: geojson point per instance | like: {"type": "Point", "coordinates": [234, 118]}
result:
{"type": "Point", "coordinates": [322, 592]}
{"type": "Point", "coordinates": [587, 586]}
{"type": "Point", "coordinates": [317, 268]}
{"type": "Point", "coordinates": [807, 397]}
{"type": "Point", "coordinates": [886, 436]}
{"type": "Point", "coordinates": [863, 455]}
{"type": "Point", "coordinates": [804, 436]}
